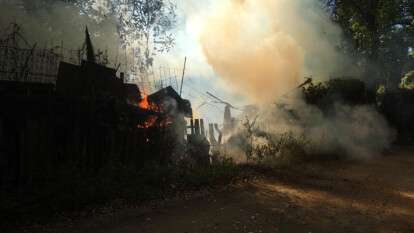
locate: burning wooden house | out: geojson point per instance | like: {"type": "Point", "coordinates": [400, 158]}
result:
{"type": "Point", "coordinates": [87, 116]}
{"type": "Point", "coordinates": [166, 108]}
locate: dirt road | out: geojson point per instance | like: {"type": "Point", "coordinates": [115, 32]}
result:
{"type": "Point", "coordinates": [371, 196]}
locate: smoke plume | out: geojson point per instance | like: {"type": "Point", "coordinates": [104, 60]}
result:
{"type": "Point", "coordinates": [265, 47]}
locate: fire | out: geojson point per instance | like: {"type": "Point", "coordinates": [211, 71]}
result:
{"type": "Point", "coordinates": [150, 122]}
{"type": "Point", "coordinates": [144, 104]}
{"type": "Point", "coordinates": [155, 121]}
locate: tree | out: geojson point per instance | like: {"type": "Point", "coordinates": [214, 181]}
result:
{"type": "Point", "coordinates": [381, 31]}
{"type": "Point", "coordinates": [145, 25]}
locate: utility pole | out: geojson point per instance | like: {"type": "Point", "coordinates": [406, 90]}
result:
{"type": "Point", "coordinates": [182, 78]}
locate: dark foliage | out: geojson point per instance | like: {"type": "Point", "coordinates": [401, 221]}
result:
{"type": "Point", "coordinates": [378, 35]}
{"type": "Point", "coordinates": [398, 108]}
{"type": "Point", "coordinates": [345, 91]}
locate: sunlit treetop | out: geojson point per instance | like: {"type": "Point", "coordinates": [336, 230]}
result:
{"type": "Point", "coordinates": [145, 25]}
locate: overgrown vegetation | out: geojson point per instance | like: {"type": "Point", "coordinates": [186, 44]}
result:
{"type": "Point", "coordinates": [267, 149]}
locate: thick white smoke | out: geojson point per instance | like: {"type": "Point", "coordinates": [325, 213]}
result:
{"type": "Point", "coordinates": [359, 132]}
{"type": "Point", "coordinates": [264, 48]}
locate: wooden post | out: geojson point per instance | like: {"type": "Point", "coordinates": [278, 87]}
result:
{"type": "Point", "coordinates": [212, 137]}
{"type": "Point", "coordinates": [219, 132]}
{"type": "Point", "coordinates": [192, 126]}
{"type": "Point", "coordinates": [182, 78]}
{"type": "Point", "coordinates": [197, 127]}
{"type": "Point", "coordinates": [202, 129]}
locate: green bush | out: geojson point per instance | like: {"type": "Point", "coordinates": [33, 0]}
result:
{"type": "Point", "coordinates": [281, 150]}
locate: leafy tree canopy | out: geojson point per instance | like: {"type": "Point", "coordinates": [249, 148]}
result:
{"type": "Point", "coordinates": [381, 31]}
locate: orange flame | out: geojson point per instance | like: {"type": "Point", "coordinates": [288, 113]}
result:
{"type": "Point", "coordinates": [144, 104]}
{"type": "Point", "coordinates": [150, 122]}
